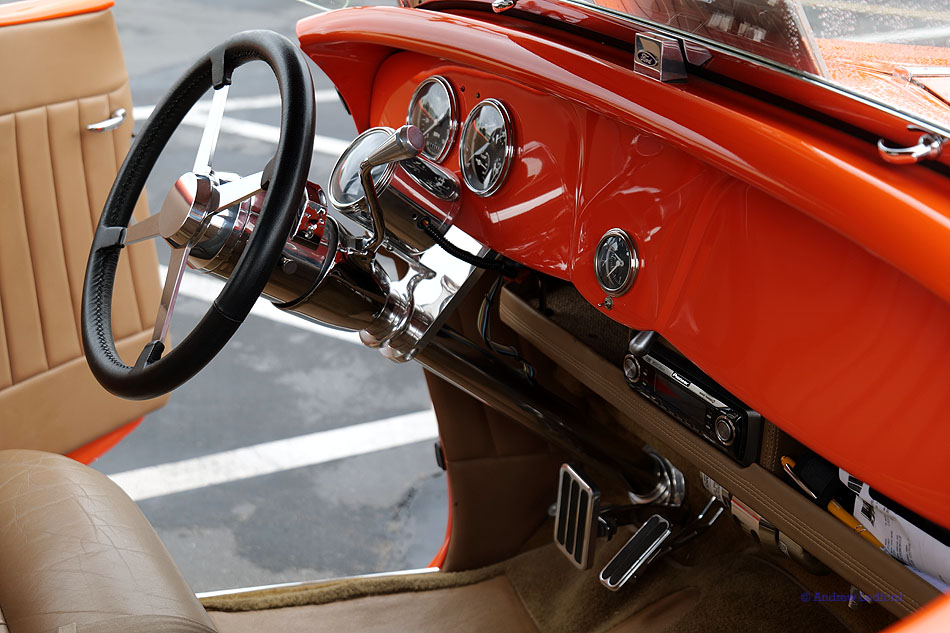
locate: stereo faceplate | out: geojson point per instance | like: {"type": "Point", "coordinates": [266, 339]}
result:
{"type": "Point", "coordinates": [688, 395]}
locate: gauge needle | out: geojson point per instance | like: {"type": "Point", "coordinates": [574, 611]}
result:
{"type": "Point", "coordinates": [614, 267]}
{"type": "Point", "coordinates": [479, 132]}
{"type": "Point", "coordinates": [426, 110]}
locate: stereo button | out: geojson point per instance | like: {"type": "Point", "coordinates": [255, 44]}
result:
{"type": "Point", "coordinates": [725, 431]}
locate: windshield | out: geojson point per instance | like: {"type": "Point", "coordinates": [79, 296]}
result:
{"type": "Point", "coordinates": [896, 52]}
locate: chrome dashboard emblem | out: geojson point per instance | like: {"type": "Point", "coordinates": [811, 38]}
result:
{"type": "Point", "coordinates": [647, 58]}
{"type": "Point", "coordinates": [659, 57]}
{"type": "Point", "coordinates": [616, 262]}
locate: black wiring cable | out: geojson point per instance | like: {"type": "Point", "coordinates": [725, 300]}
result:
{"type": "Point", "coordinates": [484, 328]}
{"type": "Point", "coordinates": [499, 265]}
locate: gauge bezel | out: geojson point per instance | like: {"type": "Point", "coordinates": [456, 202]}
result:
{"type": "Point", "coordinates": [381, 184]}
{"type": "Point", "coordinates": [453, 114]}
{"type": "Point", "coordinates": [509, 147]}
{"type": "Point", "coordinates": [631, 272]}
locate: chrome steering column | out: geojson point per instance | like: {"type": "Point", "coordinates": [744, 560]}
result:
{"type": "Point", "coordinates": [390, 283]}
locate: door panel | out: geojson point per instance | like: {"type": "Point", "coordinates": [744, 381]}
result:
{"type": "Point", "coordinates": [58, 76]}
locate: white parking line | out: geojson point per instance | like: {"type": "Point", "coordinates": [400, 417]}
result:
{"type": "Point", "coordinates": [277, 456]}
{"type": "Point", "coordinates": [206, 288]}
{"type": "Point", "coordinates": [251, 129]}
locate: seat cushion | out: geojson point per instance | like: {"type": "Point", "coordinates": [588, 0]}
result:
{"type": "Point", "coordinates": [76, 552]}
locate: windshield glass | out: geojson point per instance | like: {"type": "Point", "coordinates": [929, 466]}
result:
{"type": "Point", "coordinates": [896, 52]}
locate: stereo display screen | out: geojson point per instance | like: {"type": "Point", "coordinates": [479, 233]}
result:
{"type": "Point", "coordinates": [691, 407]}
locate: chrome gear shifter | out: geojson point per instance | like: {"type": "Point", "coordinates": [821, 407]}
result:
{"type": "Point", "coordinates": [404, 144]}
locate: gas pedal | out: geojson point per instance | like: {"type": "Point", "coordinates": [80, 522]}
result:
{"type": "Point", "coordinates": [637, 553]}
{"type": "Point", "coordinates": [578, 503]}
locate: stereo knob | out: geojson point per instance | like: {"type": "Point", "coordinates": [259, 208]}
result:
{"type": "Point", "coordinates": [725, 431]}
{"type": "Point", "coordinates": [631, 369]}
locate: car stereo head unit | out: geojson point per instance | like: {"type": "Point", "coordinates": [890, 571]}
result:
{"type": "Point", "coordinates": [683, 391]}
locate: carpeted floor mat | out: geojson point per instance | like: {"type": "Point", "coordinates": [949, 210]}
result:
{"type": "Point", "coordinates": [708, 587]}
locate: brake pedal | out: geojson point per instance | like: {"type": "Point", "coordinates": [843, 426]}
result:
{"type": "Point", "coordinates": [578, 504]}
{"type": "Point", "coordinates": [637, 553]}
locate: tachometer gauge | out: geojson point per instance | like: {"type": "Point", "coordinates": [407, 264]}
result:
{"type": "Point", "coordinates": [434, 110]}
{"type": "Point", "coordinates": [345, 189]}
{"type": "Point", "coordinates": [487, 147]}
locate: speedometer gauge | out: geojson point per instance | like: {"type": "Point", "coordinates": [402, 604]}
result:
{"type": "Point", "coordinates": [434, 110]}
{"type": "Point", "coordinates": [487, 147]}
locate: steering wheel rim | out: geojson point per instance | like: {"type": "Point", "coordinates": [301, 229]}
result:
{"type": "Point", "coordinates": [283, 179]}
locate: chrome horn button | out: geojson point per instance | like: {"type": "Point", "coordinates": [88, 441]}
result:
{"type": "Point", "coordinates": [186, 207]}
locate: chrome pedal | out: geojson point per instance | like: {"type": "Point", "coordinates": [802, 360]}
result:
{"type": "Point", "coordinates": [575, 522]}
{"type": "Point", "coordinates": [637, 553]}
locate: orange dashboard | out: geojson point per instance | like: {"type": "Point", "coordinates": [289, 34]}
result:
{"type": "Point", "coordinates": [767, 243]}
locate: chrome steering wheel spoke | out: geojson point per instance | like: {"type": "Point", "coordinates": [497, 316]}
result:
{"type": "Point", "coordinates": [237, 191]}
{"type": "Point", "coordinates": [144, 230]}
{"type": "Point", "coordinates": [209, 138]}
{"type": "Point", "coordinates": [176, 271]}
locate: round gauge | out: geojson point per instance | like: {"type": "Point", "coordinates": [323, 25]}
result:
{"type": "Point", "coordinates": [616, 262]}
{"type": "Point", "coordinates": [487, 147]}
{"type": "Point", "coordinates": [345, 188]}
{"type": "Point", "coordinates": [434, 110]}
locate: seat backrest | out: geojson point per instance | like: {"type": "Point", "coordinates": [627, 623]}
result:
{"type": "Point", "coordinates": [58, 75]}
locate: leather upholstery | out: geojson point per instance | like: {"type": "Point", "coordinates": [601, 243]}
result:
{"type": "Point", "coordinates": [59, 76]}
{"type": "Point", "coordinates": [75, 550]}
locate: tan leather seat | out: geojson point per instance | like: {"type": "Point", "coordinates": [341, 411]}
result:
{"type": "Point", "coordinates": [77, 555]}
{"type": "Point", "coordinates": [58, 76]}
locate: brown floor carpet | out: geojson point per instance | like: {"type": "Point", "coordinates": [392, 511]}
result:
{"type": "Point", "coordinates": [707, 587]}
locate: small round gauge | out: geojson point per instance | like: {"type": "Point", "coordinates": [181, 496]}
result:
{"type": "Point", "coordinates": [434, 110]}
{"type": "Point", "coordinates": [345, 188]}
{"type": "Point", "coordinates": [487, 147]}
{"type": "Point", "coordinates": [616, 262]}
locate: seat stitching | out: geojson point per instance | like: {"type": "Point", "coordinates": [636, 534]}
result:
{"type": "Point", "coordinates": [26, 228]}
{"type": "Point", "coordinates": [59, 222]}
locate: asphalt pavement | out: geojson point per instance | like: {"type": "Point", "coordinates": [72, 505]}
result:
{"type": "Point", "coordinates": [372, 511]}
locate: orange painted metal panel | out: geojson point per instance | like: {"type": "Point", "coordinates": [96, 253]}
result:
{"type": "Point", "coordinates": [39, 10]}
{"type": "Point", "coordinates": [933, 618]}
{"type": "Point", "coordinates": [779, 254]}
{"type": "Point", "coordinates": [95, 449]}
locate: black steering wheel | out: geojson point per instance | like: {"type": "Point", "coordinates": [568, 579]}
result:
{"type": "Point", "coordinates": [194, 199]}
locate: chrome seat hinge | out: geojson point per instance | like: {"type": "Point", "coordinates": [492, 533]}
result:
{"type": "Point", "coordinates": [929, 146]}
